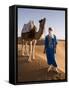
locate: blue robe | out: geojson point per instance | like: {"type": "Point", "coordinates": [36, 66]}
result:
{"type": "Point", "coordinates": [50, 49]}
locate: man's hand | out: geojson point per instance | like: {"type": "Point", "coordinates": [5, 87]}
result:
{"type": "Point", "coordinates": [54, 50]}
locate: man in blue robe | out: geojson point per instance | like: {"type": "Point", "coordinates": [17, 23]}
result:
{"type": "Point", "coordinates": [50, 49]}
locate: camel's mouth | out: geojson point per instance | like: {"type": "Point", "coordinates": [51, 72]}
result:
{"type": "Point", "coordinates": [44, 19]}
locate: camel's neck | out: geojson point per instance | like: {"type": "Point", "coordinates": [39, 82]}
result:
{"type": "Point", "coordinates": [40, 32]}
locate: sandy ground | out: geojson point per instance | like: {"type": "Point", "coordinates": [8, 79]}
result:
{"type": "Point", "coordinates": [38, 69]}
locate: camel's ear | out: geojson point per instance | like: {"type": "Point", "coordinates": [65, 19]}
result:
{"type": "Point", "coordinates": [40, 20]}
{"type": "Point", "coordinates": [45, 19]}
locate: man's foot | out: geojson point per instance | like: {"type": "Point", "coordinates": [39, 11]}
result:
{"type": "Point", "coordinates": [56, 69]}
{"type": "Point", "coordinates": [50, 67]}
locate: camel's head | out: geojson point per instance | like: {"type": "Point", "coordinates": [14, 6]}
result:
{"type": "Point", "coordinates": [42, 21]}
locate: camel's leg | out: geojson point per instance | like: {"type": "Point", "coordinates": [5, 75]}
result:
{"type": "Point", "coordinates": [33, 49]}
{"type": "Point", "coordinates": [22, 47]}
{"type": "Point", "coordinates": [26, 48]}
{"type": "Point", "coordinates": [30, 50]}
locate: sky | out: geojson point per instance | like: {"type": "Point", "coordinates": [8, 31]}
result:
{"type": "Point", "coordinates": [54, 19]}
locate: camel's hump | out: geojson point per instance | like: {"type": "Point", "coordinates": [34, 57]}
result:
{"type": "Point", "coordinates": [27, 27]}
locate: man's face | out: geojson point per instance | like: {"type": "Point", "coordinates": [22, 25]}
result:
{"type": "Point", "coordinates": [50, 32]}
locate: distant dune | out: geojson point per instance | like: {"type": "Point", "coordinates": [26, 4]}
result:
{"type": "Point", "coordinates": [39, 42]}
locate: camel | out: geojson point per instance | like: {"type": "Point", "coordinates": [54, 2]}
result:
{"type": "Point", "coordinates": [31, 38]}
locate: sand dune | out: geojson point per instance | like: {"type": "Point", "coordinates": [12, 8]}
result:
{"type": "Point", "coordinates": [37, 69]}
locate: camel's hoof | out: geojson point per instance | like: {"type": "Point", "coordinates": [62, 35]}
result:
{"type": "Point", "coordinates": [33, 58]}
{"type": "Point", "coordinates": [29, 60]}
{"type": "Point", "coordinates": [22, 54]}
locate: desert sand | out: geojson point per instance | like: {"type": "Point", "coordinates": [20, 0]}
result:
{"type": "Point", "coordinates": [37, 69]}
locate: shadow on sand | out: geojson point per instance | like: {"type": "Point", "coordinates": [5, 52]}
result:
{"type": "Point", "coordinates": [35, 71]}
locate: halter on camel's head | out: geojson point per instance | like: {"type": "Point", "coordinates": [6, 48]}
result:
{"type": "Point", "coordinates": [42, 22]}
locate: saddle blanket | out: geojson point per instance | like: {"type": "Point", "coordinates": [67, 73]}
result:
{"type": "Point", "coordinates": [27, 27]}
